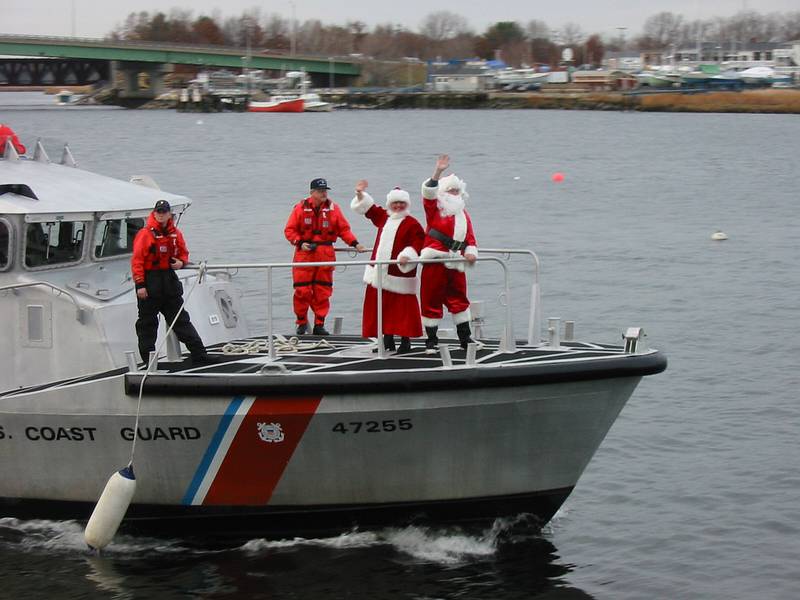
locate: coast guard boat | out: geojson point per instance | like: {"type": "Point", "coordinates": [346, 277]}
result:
{"type": "Point", "coordinates": [281, 436]}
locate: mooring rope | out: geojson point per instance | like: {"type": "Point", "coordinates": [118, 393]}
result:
{"type": "Point", "coordinates": [154, 360]}
{"type": "Point", "coordinates": [281, 344]}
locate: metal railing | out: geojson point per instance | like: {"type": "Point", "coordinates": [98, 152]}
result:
{"type": "Point", "coordinates": [79, 314]}
{"type": "Point", "coordinates": [507, 340]}
{"type": "Point", "coordinates": [535, 310]}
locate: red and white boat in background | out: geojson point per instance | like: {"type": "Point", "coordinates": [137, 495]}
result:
{"type": "Point", "coordinates": [286, 104]}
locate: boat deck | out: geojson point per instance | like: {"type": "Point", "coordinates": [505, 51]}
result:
{"type": "Point", "coordinates": [351, 364]}
{"type": "Point", "coordinates": [341, 353]}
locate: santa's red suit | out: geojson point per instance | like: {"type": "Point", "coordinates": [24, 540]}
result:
{"type": "Point", "coordinates": [318, 226]}
{"type": "Point", "coordinates": [448, 234]}
{"type": "Point", "coordinates": [399, 234]}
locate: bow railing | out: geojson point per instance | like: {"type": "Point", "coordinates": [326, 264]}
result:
{"type": "Point", "coordinates": [507, 340]}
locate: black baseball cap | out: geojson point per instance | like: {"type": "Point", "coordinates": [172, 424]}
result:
{"type": "Point", "coordinates": [319, 184]}
{"type": "Point", "coordinates": [162, 206]}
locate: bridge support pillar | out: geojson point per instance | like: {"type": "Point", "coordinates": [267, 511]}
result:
{"type": "Point", "coordinates": [139, 81]}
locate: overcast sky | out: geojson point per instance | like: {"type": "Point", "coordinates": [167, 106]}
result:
{"type": "Point", "coordinates": [95, 18]}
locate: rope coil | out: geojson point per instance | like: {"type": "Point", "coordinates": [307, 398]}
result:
{"type": "Point", "coordinates": [281, 344]}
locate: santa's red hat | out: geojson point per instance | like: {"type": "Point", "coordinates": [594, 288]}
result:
{"type": "Point", "coordinates": [398, 195]}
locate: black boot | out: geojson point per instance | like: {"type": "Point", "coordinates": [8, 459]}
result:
{"type": "Point", "coordinates": [388, 342]}
{"type": "Point", "coordinates": [206, 359]}
{"type": "Point", "coordinates": [302, 328]}
{"type": "Point", "coordinates": [432, 343]}
{"type": "Point", "coordinates": [464, 334]}
{"type": "Point", "coordinates": [319, 329]}
{"type": "Point", "coordinates": [405, 346]}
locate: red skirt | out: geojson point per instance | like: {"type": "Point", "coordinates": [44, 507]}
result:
{"type": "Point", "coordinates": [400, 314]}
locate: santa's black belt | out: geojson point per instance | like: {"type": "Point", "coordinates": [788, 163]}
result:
{"type": "Point", "coordinates": [449, 242]}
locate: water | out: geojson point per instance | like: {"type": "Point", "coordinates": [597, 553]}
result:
{"type": "Point", "coordinates": [693, 494]}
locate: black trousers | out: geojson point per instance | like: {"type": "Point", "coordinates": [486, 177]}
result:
{"type": "Point", "coordinates": [168, 305]}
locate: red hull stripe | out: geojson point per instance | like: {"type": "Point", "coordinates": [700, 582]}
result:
{"type": "Point", "coordinates": [260, 450]}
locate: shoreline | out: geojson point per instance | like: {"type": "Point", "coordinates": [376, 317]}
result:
{"type": "Point", "coordinates": [757, 101]}
{"type": "Point", "coordinates": [780, 101]}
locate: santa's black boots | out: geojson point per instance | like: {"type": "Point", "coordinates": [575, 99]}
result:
{"type": "Point", "coordinates": [405, 346]}
{"type": "Point", "coordinates": [432, 343]}
{"type": "Point", "coordinates": [464, 334]}
{"type": "Point", "coordinates": [388, 342]}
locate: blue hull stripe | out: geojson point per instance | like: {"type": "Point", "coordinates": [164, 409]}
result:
{"type": "Point", "coordinates": [202, 468]}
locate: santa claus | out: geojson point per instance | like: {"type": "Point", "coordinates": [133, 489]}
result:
{"type": "Point", "coordinates": [400, 237]}
{"type": "Point", "coordinates": [449, 234]}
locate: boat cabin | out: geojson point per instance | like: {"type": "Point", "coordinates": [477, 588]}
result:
{"type": "Point", "coordinates": [66, 241]}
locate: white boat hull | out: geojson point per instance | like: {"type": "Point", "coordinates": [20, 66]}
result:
{"type": "Point", "coordinates": [349, 454]}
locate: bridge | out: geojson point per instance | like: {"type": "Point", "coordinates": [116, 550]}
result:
{"type": "Point", "coordinates": [36, 60]}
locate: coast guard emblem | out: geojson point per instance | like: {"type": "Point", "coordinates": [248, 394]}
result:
{"type": "Point", "coordinates": [270, 432]}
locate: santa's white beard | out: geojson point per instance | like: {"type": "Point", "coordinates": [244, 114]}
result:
{"type": "Point", "coordinates": [450, 204]}
{"type": "Point", "coordinates": [401, 214]}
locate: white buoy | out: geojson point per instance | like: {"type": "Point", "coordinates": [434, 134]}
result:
{"type": "Point", "coordinates": [110, 508]}
{"type": "Point", "coordinates": [199, 121]}
{"type": "Point", "coordinates": [718, 236]}
{"type": "Point", "coordinates": [516, 178]}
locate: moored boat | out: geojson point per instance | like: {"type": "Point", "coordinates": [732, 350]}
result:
{"type": "Point", "coordinates": [312, 102]}
{"type": "Point", "coordinates": [286, 436]}
{"type": "Point", "coordinates": [64, 97]}
{"type": "Point", "coordinates": [284, 104]}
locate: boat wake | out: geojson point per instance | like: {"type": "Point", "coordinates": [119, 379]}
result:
{"type": "Point", "coordinates": [439, 545]}
{"type": "Point", "coordinates": [428, 544]}
{"type": "Point", "coordinates": [66, 537]}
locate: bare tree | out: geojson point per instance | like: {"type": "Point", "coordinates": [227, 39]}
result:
{"type": "Point", "coordinates": [594, 50]}
{"type": "Point", "coordinates": [571, 34]}
{"type": "Point", "coordinates": [277, 34]}
{"type": "Point", "coordinates": [443, 25]}
{"type": "Point", "coordinates": [790, 28]}
{"type": "Point", "coordinates": [537, 30]}
{"type": "Point", "coordinates": [662, 30]}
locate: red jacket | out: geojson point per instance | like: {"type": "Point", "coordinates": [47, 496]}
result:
{"type": "Point", "coordinates": [458, 227]}
{"type": "Point", "coordinates": [154, 247]}
{"type": "Point", "coordinates": [396, 237]}
{"type": "Point", "coordinates": [319, 226]}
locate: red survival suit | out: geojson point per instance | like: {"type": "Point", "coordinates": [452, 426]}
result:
{"type": "Point", "coordinates": [399, 234]}
{"type": "Point", "coordinates": [153, 250]}
{"type": "Point", "coordinates": [320, 227]}
{"type": "Point", "coordinates": [5, 133]}
{"type": "Point", "coordinates": [448, 234]}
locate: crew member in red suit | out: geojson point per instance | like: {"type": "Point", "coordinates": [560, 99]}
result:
{"type": "Point", "coordinates": [400, 237]}
{"type": "Point", "coordinates": [448, 234]}
{"type": "Point", "coordinates": [158, 251]}
{"type": "Point", "coordinates": [6, 133]}
{"type": "Point", "coordinates": [312, 228]}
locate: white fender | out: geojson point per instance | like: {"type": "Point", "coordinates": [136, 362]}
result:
{"type": "Point", "coordinates": [110, 508]}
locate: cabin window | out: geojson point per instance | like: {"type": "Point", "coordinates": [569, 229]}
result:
{"type": "Point", "coordinates": [53, 243]}
{"type": "Point", "coordinates": [5, 245]}
{"type": "Point", "coordinates": [114, 237]}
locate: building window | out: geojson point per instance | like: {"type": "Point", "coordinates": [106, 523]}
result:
{"type": "Point", "coordinates": [767, 55]}
{"type": "Point", "coordinates": [115, 236]}
{"type": "Point", "coordinates": [53, 243]}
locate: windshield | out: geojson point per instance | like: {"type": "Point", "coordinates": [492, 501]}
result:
{"type": "Point", "coordinates": [115, 236]}
{"type": "Point", "coordinates": [52, 243]}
